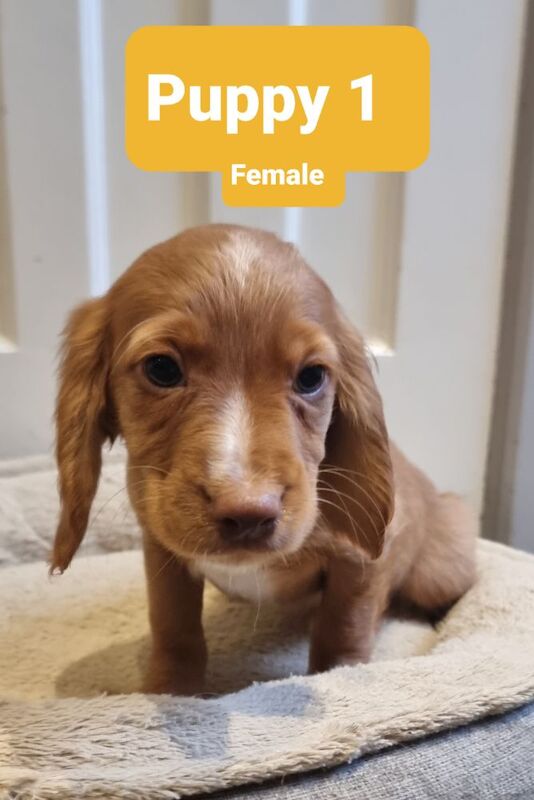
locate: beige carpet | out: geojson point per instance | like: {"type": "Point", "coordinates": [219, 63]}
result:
{"type": "Point", "coordinates": [68, 645]}
{"type": "Point", "coordinates": [29, 508]}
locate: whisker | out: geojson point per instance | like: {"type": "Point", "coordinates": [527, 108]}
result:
{"type": "Point", "coordinates": [113, 496]}
{"type": "Point", "coordinates": [334, 505]}
{"type": "Point", "coordinates": [126, 335]}
{"type": "Point", "coordinates": [361, 489]}
{"type": "Point", "coordinates": [345, 509]}
{"type": "Point", "coordinates": [132, 330]}
{"type": "Point", "coordinates": [148, 466]}
{"type": "Point", "coordinates": [345, 473]}
{"type": "Point", "coordinates": [357, 503]}
{"type": "Point", "coordinates": [161, 569]}
{"type": "Point", "coordinates": [355, 528]}
{"type": "Point", "coordinates": [365, 475]}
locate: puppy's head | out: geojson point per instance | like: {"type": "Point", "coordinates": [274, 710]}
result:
{"type": "Point", "coordinates": [244, 398]}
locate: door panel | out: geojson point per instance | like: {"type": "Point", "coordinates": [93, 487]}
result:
{"type": "Point", "coordinates": [438, 386]}
{"type": "Point", "coordinates": [44, 205]}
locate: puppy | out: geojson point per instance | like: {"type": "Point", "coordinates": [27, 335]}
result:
{"type": "Point", "coordinates": [258, 453]}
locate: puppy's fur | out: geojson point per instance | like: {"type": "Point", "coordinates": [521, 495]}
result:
{"type": "Point", "coordinates": [242, 314]}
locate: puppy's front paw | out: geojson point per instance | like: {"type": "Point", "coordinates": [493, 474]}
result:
{"type": "Point", "coordinates": [177, 684]}
{"type": "Point", "coordinates": [323, 658]}
{"type": "Point", "coordinates": [170, 674]}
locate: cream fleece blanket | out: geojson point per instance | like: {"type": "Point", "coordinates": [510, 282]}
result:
{"type": "Point", "coordinates": [68, 644]}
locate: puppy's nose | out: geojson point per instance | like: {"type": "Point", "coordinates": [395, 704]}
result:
{"type": "Point", "coordinates": [250, 520]}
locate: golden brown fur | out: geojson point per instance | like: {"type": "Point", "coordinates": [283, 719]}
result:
{"type": "Point", "coordinates": [242, 314]}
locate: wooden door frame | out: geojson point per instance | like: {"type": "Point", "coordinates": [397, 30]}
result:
{"type": "Point", "coordinates": [510, 458]}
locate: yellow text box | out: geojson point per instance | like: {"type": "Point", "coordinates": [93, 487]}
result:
{"type": "Point", "coordinates": [282, 112]}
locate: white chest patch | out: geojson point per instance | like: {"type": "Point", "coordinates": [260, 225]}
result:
{"type": "Point", "coordinates": [247, 582]}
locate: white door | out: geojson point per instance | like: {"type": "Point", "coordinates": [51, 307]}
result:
{"type": "Point", "coordinates": [416, 260]}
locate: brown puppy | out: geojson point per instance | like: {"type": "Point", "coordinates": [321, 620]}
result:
{"type": "Point", "coordinates": [258, 453]}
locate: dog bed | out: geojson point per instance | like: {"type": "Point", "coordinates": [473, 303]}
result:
{"type": "Point", "coordinates": [72, 651]}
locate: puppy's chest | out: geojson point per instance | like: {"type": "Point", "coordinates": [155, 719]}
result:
{"type": "Point", "coordinates": [258, 584]}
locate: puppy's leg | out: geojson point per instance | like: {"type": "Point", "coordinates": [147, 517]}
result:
{"type": "Point", "coordinates": [179, 656]}
{"type": "Point", "coordinates": [352, 604]}
{"type": "Point", "coordinates": [445, 565]}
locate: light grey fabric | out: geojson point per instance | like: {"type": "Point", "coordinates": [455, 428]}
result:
{"type": "Point", "coordinates": [29, 509]}
{"type": "Point", "coordinates": [488, 760]}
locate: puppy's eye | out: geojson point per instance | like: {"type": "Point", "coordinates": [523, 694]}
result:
{"type": "Point", "coordinates": [163, 371]}
{"type": "Point", "coordinates": [310, 379]}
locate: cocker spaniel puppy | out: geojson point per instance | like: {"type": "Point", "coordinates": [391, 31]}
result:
{"type": "Point", "coordinates": [258, 454]}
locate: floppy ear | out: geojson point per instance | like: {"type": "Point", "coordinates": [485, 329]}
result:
{"type": "Point", "coordinates": [357, 464]}
{"type": "Point", "coordinates": [83, 422]}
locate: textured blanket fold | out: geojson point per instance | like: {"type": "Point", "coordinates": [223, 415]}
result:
{"type": "Point", "coordinates": [70, 644]}
{"type": "Point", "coordinates": [29, 509]}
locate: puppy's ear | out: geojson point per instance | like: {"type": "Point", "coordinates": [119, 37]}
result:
{"type": "Point", "coordinates": [357, 465]}
{"type": "Point", "coordinates": [84, 420]}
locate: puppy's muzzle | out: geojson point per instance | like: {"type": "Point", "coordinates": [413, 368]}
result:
{"type": "Point", "coordinates": [242, 520]}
